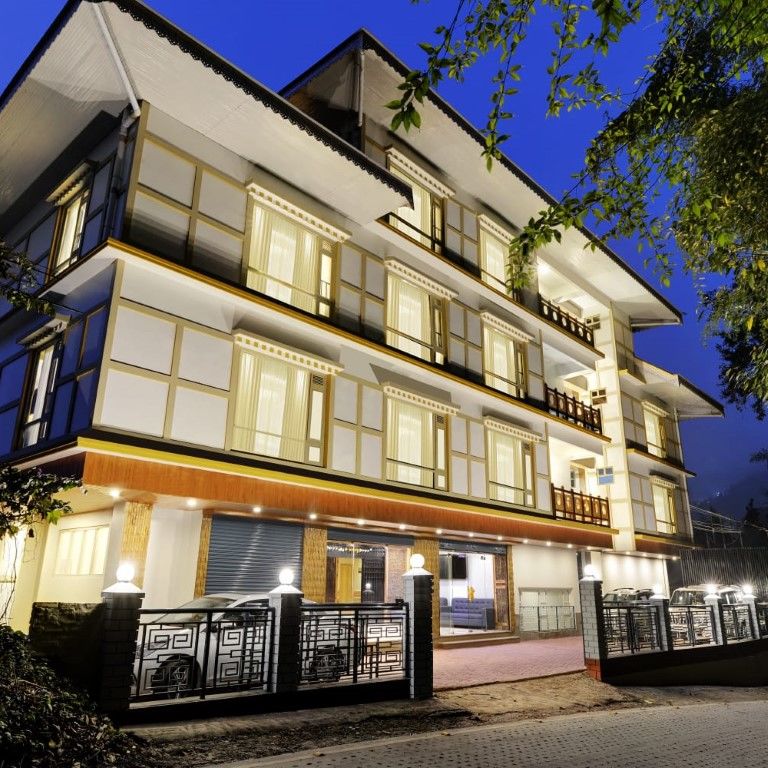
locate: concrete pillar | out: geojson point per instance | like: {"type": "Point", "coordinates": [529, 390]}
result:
{"type": "Point", "coordinates": [665, 626]}
{"type": "Point", "coordinates": [135, 538]}
{"type": "Point", "coordinates": [314, 561]}
{"type": "Point", "coordinates": [429, 549]}
{"type": "Point", "coordinates": [120, 630]}
{"type": "Point", "coordinates": [593, 626]}
{"type": "Point", "coordinates": [751, 602]}
{"type": "Point", "coordinates": [418, 595]}
{"type": "Point", "coordinates": [286, 652]}
{"type": "Point", "coordinates": [717, 618]}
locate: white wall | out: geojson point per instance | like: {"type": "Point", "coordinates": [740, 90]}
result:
{"type": "Point", "coordinates": [174, 541]}
{"type": "Point", "coordinates": [631, 571]}
{"type": "Point", "coordinates": [545, 568]}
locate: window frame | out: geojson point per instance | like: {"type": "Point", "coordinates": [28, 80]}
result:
{"type": "Point", "coordinates": [666, 518]}
{"type": "Point", "coordinates": [658, 421]}
{"type": "Point", "coordinates": [517, 389]}
{"type": "Point", "coordinates": [528, 493]}
{"type": "Point", "coordinates": [82, 199]}
{"type": "Point", "coordinates": [30, 398]}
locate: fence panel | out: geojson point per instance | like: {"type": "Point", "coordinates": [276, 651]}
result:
{"type": "Point", "coordinates": [631, 629]}
{"type": "Point", "coordinates": [350, 643]}
{"type": "Point", "coordinates": [737, 623]}
{"type": "Point", "coordinates": [692, 625]}
{"type": "Point", "coordinates": [181, 654]}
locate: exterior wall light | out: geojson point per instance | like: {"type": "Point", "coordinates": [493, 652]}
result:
{"type": "Point", "coordinates": [569, 546]}
{"type": "Point", "coordinates": [191, 502]}
{"type": "Point", "coordinates": [417, 561]}
{"type": "Point", "coordinates": [114, 493]}
{"type": "Point", "coordinates": [549, 543]}
{"type": "Point", "coordinates": [256, 510]}
{"type": "Point", "coordinates": [525, 541]}
{"type": "Point", "coordinates": [361, 522]}
{"type": "Point", "coordinates": [471, 535]}
{"type": "Point", "coordinates": [401, 526]}
{"type": "Point", "coordinates": [590, 572]}
{"type": "Point", "coordinates": [748, 590]}
{"type": "Point", "coordinates": [499, 538]}
{"type": "Point", "coordinates": [439, 531]}
{"type": "Point", "coordinates": [285, 577]}
{"type": "Point", "coordinates": [313, 515]}
{"type": "Point", "coordinates": [125, 572]}
{"type": "Point", "coordinates": [711, 590]}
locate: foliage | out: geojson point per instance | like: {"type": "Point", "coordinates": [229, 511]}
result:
{"type": "Point", "coordinates": [681, 159]}
{"type": "Point", "coordinates": [28, 496]}
{"type": "Point", "coordinates": [46, 722]}
{"type": "Point", "coordinates": [20, 281]}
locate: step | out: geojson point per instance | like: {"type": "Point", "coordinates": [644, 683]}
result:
{"type": "Point", "coordinates": [475, 641]}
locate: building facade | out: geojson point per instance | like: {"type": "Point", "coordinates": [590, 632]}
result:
{"type": "Point", "coordinates": [284, 338]}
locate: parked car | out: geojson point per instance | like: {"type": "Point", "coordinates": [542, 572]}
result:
{"type": "Point", "coordinates": [626, 596]}
{"type": "Point", "coordinates": [690, 622]}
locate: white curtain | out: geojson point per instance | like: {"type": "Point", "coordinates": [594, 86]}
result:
{"type": "Point", "coordinates": [508, 471]}
{"type": "Point", "coordinates": [408, 315]}
{"type": "Point", "coordinates": [494, 260]}
{"type": "Point", "coordinates": [271, 408]}
{"type": "Point", "coordinates": [420, 216]}
{"type": "Point", "coordinates": [284, 260]}
{"type": "Point", "coordinates": [410, 443]}
{"type": "Point", "coordinates": [500, 362]}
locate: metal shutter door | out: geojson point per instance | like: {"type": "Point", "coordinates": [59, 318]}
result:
{"type": "Point", "coordinates": [247, 555]}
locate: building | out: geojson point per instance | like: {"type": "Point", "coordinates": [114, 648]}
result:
{"type": "Point", "coordinates": [283, 338]}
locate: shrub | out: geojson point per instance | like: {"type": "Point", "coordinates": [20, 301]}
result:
{"type": "Point", "coordinates": [47, 722]}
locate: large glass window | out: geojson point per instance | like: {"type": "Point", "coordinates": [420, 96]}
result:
{"type": "Point", "coordinates": [504, 362]}
{"type": "Point", "coordinates": [664, 508]}
{"type": "Point", "coordinates": [414, 320]}
{"type": "Point", "coordinates": [415, 445]}
{"type": "Point", "coordinates": [423, 222]}
{"type": "Point", "coordinates": [44, 366]}
{"type": "Point", "coordinates": [655, 434]}
{"type": "Point", "coordinates": [278, 409]}
{"type": "Point", "coordinates": [494, 256]}
{"type": "Point", "coordinates": [510, 469]}
{"type": "Point", "coordinates": [82, 551]}
{"type": "Point", "coordinates": [72, 218]}
{"type": "Point", "coordinates": [290, 263]}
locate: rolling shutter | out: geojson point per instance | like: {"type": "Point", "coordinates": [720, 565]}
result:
{"type": "Point", "coordinates": [247, 555]}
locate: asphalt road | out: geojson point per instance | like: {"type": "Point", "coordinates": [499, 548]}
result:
{"type": "Point", "coordinates": [714, 735]}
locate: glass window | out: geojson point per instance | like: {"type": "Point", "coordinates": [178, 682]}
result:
{"type": "Point", "coordinates": [655, 434]}
{"type": "Point", "coordinates": [510, 469]}
{"type": "Point", "coordinates": [71, 232]}
{"type": "Point", "coordinates": [414, 320]}
{"type": "Point", "coordinates": [504, 362]}
{"type": "Point", "coordinates": [82, 551]}
{"type": "Point", "coordinates": [290, 263]}
{"type": "Point", "coordinates": [494, 255]}
{"type": "Point", "coordinates": [423, 222]}
{"type": "Point", "coordinates": [415, 445]}
{"type": "Point", "coordinates": [355, 572]}
{"type": "Point", "coordinates": [45, 363]}
{"type": "Point", "coordinates": [664, 508]}
{"type": "Point", "coordinates": [278, 410]}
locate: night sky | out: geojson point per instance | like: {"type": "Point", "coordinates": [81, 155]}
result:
{"type": "Point", "coordinates": [276, 40]}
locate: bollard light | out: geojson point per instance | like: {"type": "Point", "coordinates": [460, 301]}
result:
{"type": "Point", "coordinates": [125, 572]}
{"type": "Point", "coordinates": [417, 561]}
{"type": "Point", "coordinates": [285, 577]}
{"type": "Point", "coordinates": [590, 572]}
{"type": "Point", "coordinates": [711, 590]}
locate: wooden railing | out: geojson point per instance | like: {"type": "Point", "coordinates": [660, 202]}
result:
{"type": "Point", "coordinates": [571, 409]}
{"type": "Point", "coordinates": [567, 322]}
{"type": "Point", "coordinates": [568, 504]}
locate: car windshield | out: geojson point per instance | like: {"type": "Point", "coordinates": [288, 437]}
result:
{"type": "Point", "coordinates": [687, 597]}
{"type": "Point", "coordinates": [196, 610]}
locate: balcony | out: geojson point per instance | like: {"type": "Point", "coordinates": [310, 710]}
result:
{"type": "Point", "coordinates": [568, 504]}
{"type": "Point", "coordinates": [568, 323]}
{"type": "Point", "coordinates": [571, 409]}
{"type": "Point", "coordinates": [432, 239]}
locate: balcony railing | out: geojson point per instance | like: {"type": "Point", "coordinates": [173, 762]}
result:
{"type": "Point", "coordinates": [580, 507]}
{"type": "Point", "coordinates": [571, 409]}
{"type": "Point", "coordinates": [652, 450]}
{"type": "Point", "coordinates": [567, 322]}
{"type": "Point", "coordinates": [432, 240]}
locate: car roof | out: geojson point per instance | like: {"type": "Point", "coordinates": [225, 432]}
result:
{"type": "Point", "coordinates": [239, 595]}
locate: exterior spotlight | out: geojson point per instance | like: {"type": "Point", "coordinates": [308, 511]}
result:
{"type": "Point", "coordinates": [401, 526]}
{"type": "Point", "coordinates": [570, 546]}
{"type": "Point", "coordinates": [498, 538]}
{"type": "Point", "coordinates": [361, 521]}
{"type": "Point", "coordinates": [525, 541]}
{"type": "Point", "coordinates": [711, 590]}
{"type": "Point", "coordinates": [549, 543]}
{"type": "Point", "coordinates": [114, 493]}
{"type": "Point", "coordinates": [471, 535]}
{"type": "Point", "coordinates": [590, 572]}
{"type": "Point", "coordinates": [748, 590]}
{"type": "Point", "coordinates": [256, 510]}
{"type": "Point", "coordinates": [313, 515]}
{"type": "Point", "coordinates": [191, 502]}
{"type": "Point", "coordinates": [125, 572]}
{"type": "Point", "coordinates": [417, 561]}
{"type": "Point", "coordinates": [439, 531]}
{"type": "Point", "coordinates": [285, 577]}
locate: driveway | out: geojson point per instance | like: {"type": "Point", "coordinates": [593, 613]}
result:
{"type": "Point", "coordinates": [702, 735]}
{"type": "Point", "coordinates": [464, 667]}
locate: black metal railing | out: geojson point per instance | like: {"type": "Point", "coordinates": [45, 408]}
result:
{"type": "Point", "coordinates": [205, 652]}
{"type": "Point", "coordinates": [432, 239]}
{"type": "Point", "coordinates": [571, 409]}
{"type": "Point", "coordinates": [547, 618]}
{"type": "Point", "coordinates": [667, 457]}
{"type": "Point", "coordinates": [350, 643]}
{"type": "Point", "coordinates": [512, 494]}
{"type": "Point", "coordinates": [550, 311]}
{"type": "Point", "coordinates": [631, 629]}
{"type": "Point", "coordinates": [737, 623]}
{"type": "Point", "coordinates": [569, 504]}
{"type": "Point", "coordinates": [692, 625]}
{"type": "Point", "coordinates": [762, 619]}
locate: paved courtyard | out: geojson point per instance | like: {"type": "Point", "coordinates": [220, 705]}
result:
{"type": "Point", "coordinates": [694, 736]}
{"type": "Point", "coordinates": [462, 667]}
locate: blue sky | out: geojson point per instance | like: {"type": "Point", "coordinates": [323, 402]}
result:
{"type": "Point", "coordinates": [274, 40]}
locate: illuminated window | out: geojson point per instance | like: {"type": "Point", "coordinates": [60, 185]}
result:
{"type": "Point", "coordinates": [290, 263]}
{"type": "Point", "coordinates": [504, 362]}
{"type": "Point", "coordinates": [510, 469]}
{"type": "Point", "coordinates": [664, 508]}
{"type": "Point", "coordinates": [423, 222]}
{"type": "Point", "coordinates": [655, 433]}
{"type": "Point", "coordinates": [414, 320]}
{"type": "Point", "coordinates": [494, 255]}
{"type": "Point", "coordinates": [82, 551]}
{"type": "Point", "coordinates": [72, 218]}
{"type": "Point", "coordinates": [45, 363]}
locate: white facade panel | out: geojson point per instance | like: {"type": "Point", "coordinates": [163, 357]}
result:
{"type": "Point", "coordinates": [134, 403]}
{"type": "Point", "coordinates": [373, 403]}
{"type": "Point", "coordinates": [458, 434]}
{"type": "Point", "coordinates": [459, 479]}
{"type": "Point", "coordinates": [476, 439]}
{"type": "Point", "coordinates": [546, 568]}
{"type": "Point", "coordinates": [370, 455]}
{"type": "Point", "coordinates": [143, 340]}
{"type": "Point", "coordinates": [479, 488]}
{"type": "Point", "coordinates": [205, 359]}
{"type": "Point", "coordinates": [345, 400]}
{"type": "Point", "coordinates": [199, 417]}
{"type": "Point", "coordinates": [344, 449]}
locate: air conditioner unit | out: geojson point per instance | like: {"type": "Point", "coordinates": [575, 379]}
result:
{"type": "Point", "coordinates": [598, 396]}
{"type": "Point", "coordinates": [605, 475]}
{"type": "Point", "coordinates": [592, 322]}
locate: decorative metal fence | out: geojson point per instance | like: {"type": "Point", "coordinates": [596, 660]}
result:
{"type": "Point", "coordinates": [548, 618]}
{"type": "Point", "coordinates": [692, 625]}
{"type": "Point", "coordinates": [631, 629]}
{"type": "Point", "coordinates": [737, 623]}
{"type": "Point", "coordinates": [762, 619]}
{"type": "Point", "coordinates": [350, 643]}
{"type": "Point", "coordinates": [221, 650]}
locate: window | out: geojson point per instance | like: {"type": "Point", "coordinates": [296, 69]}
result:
{"type": "Point", "coordinates": [82, 551]}
{"type": "Point", "coordinates": [37, 412]}
{"type": "Point", "coordinates": [423, 222]}
{"type": "Point", "coordinates": [655, 433]}
{"type": "Point", "coordinates": [414, 319]}
{"type": "Point", "coordinates": [504, 362]}
{"type": "Point", "coordinates": [290, 263]}
{"type": "Point", "coordinates": [278, 409]}
{"type": "Point", "coordinates": [494, 255]}
{"type": "Point", "coordinates": [72, 218]}
{"type": "Point", "coordinates": [416, 451]}
{"type": "Point", "coordinates": [510, 469]}
{"type": "Point", "coordinates": [664, 508]}
{"type": "Point", "coordinates": [578, 478]}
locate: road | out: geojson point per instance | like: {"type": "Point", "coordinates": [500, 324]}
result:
{"type": "Point", "coordinates": [685, 737]}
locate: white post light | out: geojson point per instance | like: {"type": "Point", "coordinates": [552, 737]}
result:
{"type": "Point", "coordinates": [590, 572]}
{"type": "Point", "coordinates": [748, 590]}
{"type": "Point", "coordinates": [417, 561]}
{"type": "Point", "coordinates": [286, 576]}
{"type": "Point", "coordinates": [658, 592]}
{"type": "Point", "coordinates": [125, 572]}
{"type": "Point", "coordinates": [712, 591]}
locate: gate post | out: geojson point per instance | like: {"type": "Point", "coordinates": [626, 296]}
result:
{"type": "Point", "coordinates": [593, 624]}
{"type": "Point", "coordinates": [418, 596]}
{"type": "Point", "coordinates": [120, 631]}
{"type": "Point", "coordinates": [750, 600]}
{"type": "Point", "coordinates": [661, 604]}
{"type": "Point", "coordinates": [718, 628]}
{"type": "Point", "coordinates": [285, 654]}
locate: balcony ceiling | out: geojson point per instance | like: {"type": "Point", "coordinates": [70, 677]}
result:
{"type": "Point", "coordinates": [72, 77]}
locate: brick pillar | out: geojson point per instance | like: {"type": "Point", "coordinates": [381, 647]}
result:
{"type": "Point", "coordinates": [122, 602]}
{"type": "Point", "coordinates": [665, 625]}
{"type": "Point", "coordinates": [717, 615]}
{"type": "Point", "coordinates": [201, 573]}
{"type": "Point", "coordinates": [751, 603]}
{"type": "Point", "coordinates": [418, 595]}
{"type": "Point", "coordinates": [429, 549]}
{"type": "Point", "coordinates": [133, 545]}
{"type": "Point", "coordinates": [314, 560]}
{"type": "Point", "coordinates": [286, 651]}
{"type": "Point", "coordinates": [593, 626]}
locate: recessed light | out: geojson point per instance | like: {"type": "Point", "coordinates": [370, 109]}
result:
{"type": "Point", "coordinates": [401, 526]}
{"type": "Point", "coordinates": [313, 515]}
{"type": "Point", "coordinates": [549, 543]}
{"type": "Point", "coordinates": [525, 541]}
{"type": "Point", "coordinates": [256, 510]}
{"type": "Point", "coordinates": [114, 493]}
{"type": "Point", "coordinates": [570, 546]}
{"type": "Point", "coordinates": [439, 531]}
{"type": "Point", "coordinates": [471, 535]}
{"type": "Point", "coordinates": [498, 538]}
{"type": "Point", "coordinates": [191, 502]}
{"type": "Point", "coordinates": [361, 522]}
